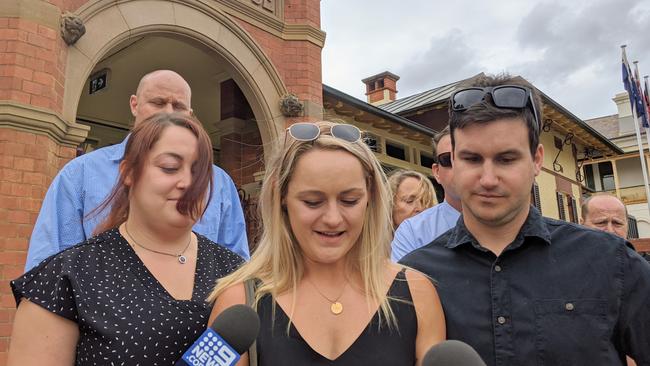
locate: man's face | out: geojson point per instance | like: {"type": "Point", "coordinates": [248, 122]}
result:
{"type": "Point", "coordinates": [162, 92]}
{"type": "Point", "coordinates": [608, 214]}
{"type": "Point", "coordinates": [444, 175]}
{"type": "Point", "coordinates": [494, 171]}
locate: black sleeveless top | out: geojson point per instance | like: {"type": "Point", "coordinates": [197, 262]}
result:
{"type": "Point", "coordinates": [375, 346]}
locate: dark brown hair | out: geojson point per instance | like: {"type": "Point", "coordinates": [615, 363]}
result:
{"type": "Point", "coordinates": [437, 137]}
{"type": "Point", "coordinates": [486, 111]}
{"type": "Point", "coordinates": [140, 142]}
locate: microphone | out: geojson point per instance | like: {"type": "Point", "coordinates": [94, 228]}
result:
{"type": "Point", "coordinates": [231, 334]}
{"type": "Point", "coordinates": [452, 353]}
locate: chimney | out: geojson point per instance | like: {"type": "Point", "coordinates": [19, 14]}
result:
{"type": "Point", "coordinates": [625, 119]}
{"type": "Point", "coordinates": [381, 88]}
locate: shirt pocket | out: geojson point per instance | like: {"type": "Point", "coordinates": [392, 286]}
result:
{"type": "Point", "coordinates": [571, 332]}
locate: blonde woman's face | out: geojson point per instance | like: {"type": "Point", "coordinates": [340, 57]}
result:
{"type": "Point", "coordinates": [326, 202]}
{"type": "Point", "coordinates": [407, 203]}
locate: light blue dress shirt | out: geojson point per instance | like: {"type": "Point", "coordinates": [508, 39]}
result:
{"type": "Point", "coordinates": [86, 181]}
{"type": "Point", "coordinates": [422, 229]}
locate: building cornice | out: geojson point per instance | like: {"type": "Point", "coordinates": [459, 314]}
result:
{"type": "Point", "coordinates": [41, 121]}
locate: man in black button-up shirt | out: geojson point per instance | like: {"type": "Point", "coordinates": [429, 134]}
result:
{"type": "Point", "coordinates": [520, 288]}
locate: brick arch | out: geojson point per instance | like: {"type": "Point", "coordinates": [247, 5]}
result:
{"type": "Point", "coordinates": [109, 23]}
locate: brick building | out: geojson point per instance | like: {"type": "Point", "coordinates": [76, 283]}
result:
{"type": "Point", "coordinates": [62, 96]}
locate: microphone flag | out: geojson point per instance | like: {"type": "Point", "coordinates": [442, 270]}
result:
{"type": "Point", "coordinates": [211, 350]}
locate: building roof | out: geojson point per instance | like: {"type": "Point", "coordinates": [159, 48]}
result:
{"type": "Point", "coordinates": [441, 94]}
{"type": "Point", "coordinates": [375, 110]}
{"type": "Point", "coordinates": [423, 99]}
{"type": "Point", "coordinates": [606, 125]}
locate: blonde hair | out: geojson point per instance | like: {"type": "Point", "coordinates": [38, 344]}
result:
{"type": "Point", "coordinates": [277, 263]}
{"type": "Point", "coordinates": [425, 193]}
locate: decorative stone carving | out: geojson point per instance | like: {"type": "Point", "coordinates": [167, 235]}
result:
{"type": "Point", "coordinates": [291, 106]}
{"type": "Point", "coordinates": [72, 28]}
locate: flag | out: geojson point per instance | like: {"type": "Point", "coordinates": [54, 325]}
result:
{"type": "Point", "coordinates": [645, 94]}
{"type": "Point", "coordinates": [641, 104]}
{"type": "Point", "coordinates": [631, 86]}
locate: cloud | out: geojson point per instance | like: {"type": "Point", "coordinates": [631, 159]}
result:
{"type": "Point", "coordinates": [578, 50]}
{"type": "Point", "coordinates": [449, 58]}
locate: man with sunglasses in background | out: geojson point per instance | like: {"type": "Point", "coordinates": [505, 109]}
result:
{"type": "Point", "coordinates": [520, 288]}
{"type": "Point", "coordinates": [426, 226]}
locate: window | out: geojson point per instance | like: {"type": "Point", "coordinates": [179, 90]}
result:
{"type": "Point", "coordinates": [396, 151]}
{"type": "Point", "coordinates": [606, 176]}
{"type": "Point", "coordinates": [573, 209]}
{"type": "Point", "coordinates": [589, 177]}
{"type": "Point", "coordinates": [426, 160]}
{"type": "Point", "coordinates": [373, 142]}
{"type": "Point", "coordinates": [535, 198]}
{"type": "Point", "coordinates": [560, 205]}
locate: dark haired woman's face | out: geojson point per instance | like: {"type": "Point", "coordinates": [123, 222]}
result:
{"type": "Point", "coordinates": [166, 174]}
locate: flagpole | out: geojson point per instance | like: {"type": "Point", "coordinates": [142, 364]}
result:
{"type": "Point", "coordinates": [637, 129]}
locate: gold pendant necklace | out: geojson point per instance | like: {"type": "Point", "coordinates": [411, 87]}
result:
{"type": "Point", "coordinates": [335, 305]}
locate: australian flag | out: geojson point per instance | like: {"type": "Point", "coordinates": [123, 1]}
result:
{"type": "Point", "coordinates": [633, 90]}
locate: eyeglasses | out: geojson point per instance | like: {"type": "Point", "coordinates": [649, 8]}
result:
{"type": "Point", "coordinates": [503, 96]}
{"type": "Point", "coordinates": [305, 131]}
{"type": "Point", "coordinates": [444, 160]}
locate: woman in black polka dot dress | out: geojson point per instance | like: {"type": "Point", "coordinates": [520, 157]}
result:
{"type": "Point", "coordinates": [135, 293]}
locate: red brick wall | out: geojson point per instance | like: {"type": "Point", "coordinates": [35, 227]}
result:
{"type": "Point", "coordinates": [28, 163]}
{"type": "Point", "coordinates": [297, 62]}
{"type": "Point", "coordinates": [32, 64]}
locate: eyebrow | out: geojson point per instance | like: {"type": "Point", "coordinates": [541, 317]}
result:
{"type": "Point", "coordinates": [171, 154]}
{"type": "Point", "coordinates": [347, 191]}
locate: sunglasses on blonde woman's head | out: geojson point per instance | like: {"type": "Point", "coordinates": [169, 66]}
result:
{"type": "Point", "coordinates": [503, 96]}
{"type": "Point", "coordinates": [444, 160]}
{"type": "Point", "coordinates": [305, 131]}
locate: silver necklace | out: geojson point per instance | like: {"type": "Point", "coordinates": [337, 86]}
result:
{"type": "Point", "coordinates": [182, 259]}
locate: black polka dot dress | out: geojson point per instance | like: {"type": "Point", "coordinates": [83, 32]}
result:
{"type": "Point", "coordinates": [125, 316]}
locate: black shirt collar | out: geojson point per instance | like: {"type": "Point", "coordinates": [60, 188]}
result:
{"type": "Point", "coordinates": [533, 227]}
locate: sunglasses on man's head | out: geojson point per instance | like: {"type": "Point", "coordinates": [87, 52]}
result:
{"type": "Point", "coordinates": [444, 160]}
{"type": "Point", "coordinates": [305, 131]}
{"type": "Point", "coordinates": [503, 96]}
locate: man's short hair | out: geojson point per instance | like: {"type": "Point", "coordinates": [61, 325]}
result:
{"type": "Point", "coordinates": [585, 203]}
{"type": "Point", "coordinates": [437, 137]}
{"type": "Point", "coordinates": [486, 111]}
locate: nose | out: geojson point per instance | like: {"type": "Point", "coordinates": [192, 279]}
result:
{"type": "Point", "coordinates": [168, 108]}
{"type": "Point", "coordinates": [610, 228]}
{"type": "Point", "coordinates": [488, 177]}
{"type": "Point", "coordinates": [184, 179]}
{"type": "Point", "coordinates": [332, 216]}
{"type": "Point", "coordinates": [417, 207]}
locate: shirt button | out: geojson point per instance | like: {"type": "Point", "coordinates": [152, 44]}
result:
{"type": "Point", "coordinates": [497, 268]}
{"type": "Point", "coordinates": [569, 306]}
{"type": "Point", "coordinates": [501, 320]}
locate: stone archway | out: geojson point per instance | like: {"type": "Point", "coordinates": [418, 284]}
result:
{"type": "Point", "coordinates": [109, 23]}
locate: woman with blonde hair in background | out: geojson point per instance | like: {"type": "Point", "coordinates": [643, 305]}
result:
{"type": "Point", "coordinates": [412, 194]}
{"type": "Point", "coordinates": [324, 286]}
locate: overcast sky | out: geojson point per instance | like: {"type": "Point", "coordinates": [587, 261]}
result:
{"type": "Point", "coordinates": [569, 50]}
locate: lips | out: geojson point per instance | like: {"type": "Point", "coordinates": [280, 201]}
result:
{"type": "Point", "coordinates": [330, 234]}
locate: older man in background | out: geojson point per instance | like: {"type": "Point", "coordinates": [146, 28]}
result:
{"type": "Point", "coordinates": [86, 181]}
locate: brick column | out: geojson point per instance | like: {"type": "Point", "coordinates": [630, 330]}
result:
{"type": "Point", "coordinates": [34, 141]}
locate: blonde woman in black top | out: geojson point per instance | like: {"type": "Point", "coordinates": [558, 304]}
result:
{"type": "Point", "coordinates": [326, 290]}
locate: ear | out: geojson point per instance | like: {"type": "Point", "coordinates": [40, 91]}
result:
{"type": "Point", "coordinates": [133, 104]}
{"type": "Point", "coordinates": [435, 170]}
{"type": "Point", "coordinates": [538, 158]}
{"type": "Point", "coordinates": [128, 180]}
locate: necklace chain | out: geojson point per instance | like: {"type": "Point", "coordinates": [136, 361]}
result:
{"type": "Point", "coordinates": [181, 258]}
{"type": "Point", "coordinates": [323, 295]}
